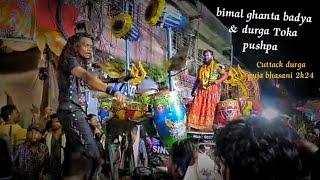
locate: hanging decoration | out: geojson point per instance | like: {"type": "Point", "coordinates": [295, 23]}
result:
{"type": "Point", "coordinates": [46, 16]}
{"type": "Point", "coordinates": [123, 27]}
{"type": "Point", "coordinates": [160, 13]}
{"type": "Point", "coordinates": [34, 20]}
{"type": "Point", "coordinates": [12, 45]}
{"type": "Point", "coordinates": [154, 11]}
{"type": "Point", "coordinates": [53, 39]}
{"type": "Point", "coordinates": [16, 20]}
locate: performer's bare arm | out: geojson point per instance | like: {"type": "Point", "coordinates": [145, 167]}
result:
{"type": "Point", "coordinates": [223, 75]}
{"type": "Point", "coordinates": [92, 82]}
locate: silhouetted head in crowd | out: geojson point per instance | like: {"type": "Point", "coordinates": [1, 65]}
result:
{"type": "Point", "coordinates": [10, 114]}
{"type": "Point", "coordinates": [34, 133]}
{"type": "Point", "coordinates": [257, 148]}
{"type": "Point", "coordinates": [48, 111]}
{"type": "Point", "coordinates": [183, 154]}
{"type": "Point", "coordinates": [55, 122]}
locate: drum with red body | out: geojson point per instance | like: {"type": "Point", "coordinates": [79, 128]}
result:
{"type": "Point", "coordinates": [227, 111]}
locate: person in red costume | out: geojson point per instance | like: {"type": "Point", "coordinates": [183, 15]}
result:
{"type": "Point", "coordinates": [206, 93]}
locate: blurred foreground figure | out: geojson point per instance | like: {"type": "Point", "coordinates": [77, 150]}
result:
{"type": "Point", "coordinates": [258, 149]}
{"type": "Point", "coordinates": [187, 163]}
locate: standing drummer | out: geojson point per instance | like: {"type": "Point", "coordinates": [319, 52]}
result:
{"type": "Point", "coordinates": [81, 154]}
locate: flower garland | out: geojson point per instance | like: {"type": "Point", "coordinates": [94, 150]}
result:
{"type": "Point", "coordinates": [155, 16]}
{"type": "Point", "coordinates": [127, 21]}
{"type": "Point", "coordinates": [205, 74]}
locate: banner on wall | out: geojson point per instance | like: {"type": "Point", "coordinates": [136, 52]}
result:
{"type": "Point", "coordinates": [16, 19]}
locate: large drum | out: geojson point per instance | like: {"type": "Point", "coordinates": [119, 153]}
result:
{"type": "Point", "coordinates": [227, 111]}
{"type": "Point", "coordinates": [169, 117]}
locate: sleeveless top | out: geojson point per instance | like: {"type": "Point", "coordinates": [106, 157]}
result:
{"type": "Point", "coordinates": [72, 90]}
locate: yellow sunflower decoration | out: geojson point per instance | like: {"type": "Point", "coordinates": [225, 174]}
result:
{"type": "Point", "coordinates": [121, 25]}
{"type": "Point", "coordinates": [154, 11]}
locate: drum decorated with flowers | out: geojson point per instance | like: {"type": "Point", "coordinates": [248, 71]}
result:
{"type": "Point", "coordinates": [227, 111]}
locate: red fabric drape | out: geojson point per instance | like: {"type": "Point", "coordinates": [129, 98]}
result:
{"type": "Point", "coordinates": [46, 16]}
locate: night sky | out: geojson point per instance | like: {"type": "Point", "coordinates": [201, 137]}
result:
{"type": "Point", "coordinates": [295, 49]}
